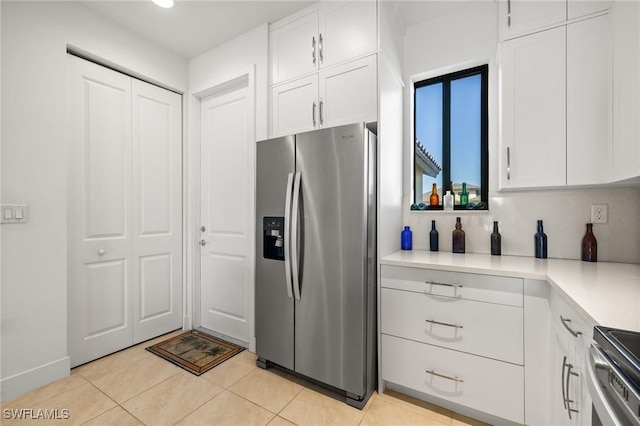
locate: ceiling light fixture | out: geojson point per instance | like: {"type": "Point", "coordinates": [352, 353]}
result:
{"type": "Point", "coordinates": [164, 3]}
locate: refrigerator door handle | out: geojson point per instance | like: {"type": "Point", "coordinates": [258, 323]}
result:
{"type": "Point", "coordinates": [293, 236]}
{"type": "Point", "coordinates": [287, 236]}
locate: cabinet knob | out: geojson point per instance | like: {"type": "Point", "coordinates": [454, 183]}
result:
{"type": "Point", "coordinates": [101, 252]}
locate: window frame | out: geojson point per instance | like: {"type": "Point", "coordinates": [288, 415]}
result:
{"type": "Point", "coordinates": [446, 79]}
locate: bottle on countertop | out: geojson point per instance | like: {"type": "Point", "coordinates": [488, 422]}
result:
{"type": "Point", "coordinates": [458, 237]}
{"type": "Point", "coordinates": [448, 201]}
{"type": "Point", "coordinates": [433, 237]}
{"type": "Point", "coordinates": [434, 199]}
{"type": "Point", "coordinates": [464, 195]}
{"type": "Point", "coordinates": [496, 241]}
{"type": "Point", "coordinates": [589, 245]}
{"type": "Point", "coordinates": [540, 240]}
{"type": "Point", "coordinates": [406, 239]}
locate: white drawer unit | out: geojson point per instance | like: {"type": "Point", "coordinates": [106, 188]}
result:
{"type": "Point", "coordinates": [480, 383]}
{"type": "Point", "coordinates": [490, 330]}
{"type": "Point", "coordinates": [482, 288]}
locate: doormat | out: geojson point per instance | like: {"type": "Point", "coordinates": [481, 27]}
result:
{"type": "Point", "coordinates": [194, 351]}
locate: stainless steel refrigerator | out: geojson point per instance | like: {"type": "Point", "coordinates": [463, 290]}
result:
{"type": "Point", "coordinates": [316, 257]}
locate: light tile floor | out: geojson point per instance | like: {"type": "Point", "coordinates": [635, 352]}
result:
{"type": "Point", "coordinates": [135, 387]}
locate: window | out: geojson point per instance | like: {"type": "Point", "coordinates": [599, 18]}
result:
{"type": "Point", "coordinates": [451, 138]}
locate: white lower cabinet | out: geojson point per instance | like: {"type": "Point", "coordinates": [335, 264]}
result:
{"type": "Point", "coordinates": [570, 338]}
{"type": "Point", "coordinates": [455, 336]}
{"type": "Point", "coordinates": [486, 329]}
{"type": "Point", "coordinates": [476, 382]}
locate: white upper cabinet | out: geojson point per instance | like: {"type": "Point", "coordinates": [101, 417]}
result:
{"type": "Point", "coordinates": [295, 48]}
{"type": "Point", "coordinates": [326, 34]}
{"type": "Point", "coordinates": [324, 67]}
{"type": "Point", "coordinates": [578, 8]}
{"type": "Point", "coordinates": [295, 106]}
{"type": "Point", "coordinates": [588, 100]}
{"type": "Point", "coordinates": [625, 149]}
{"type": "Point", "coordinates": [519, 17]}
{"type": "Point", "coordinates": [533, 150]}
{"type": "Point", "coordinates": [347, 30]}
{"type": "Point", "coordinates": [343, 94]}
{"type": "Point", "coordinates": [556, 106]}
{"type": "Point", "coordinates": [348, 93]}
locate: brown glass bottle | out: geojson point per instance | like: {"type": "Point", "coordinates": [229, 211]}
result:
{"type": "Point", "coordinates": [434, 199]}
{"type": "Point", "coordinates": [458, 237]}
{"type": "Point", "coordinates": [589, 245]}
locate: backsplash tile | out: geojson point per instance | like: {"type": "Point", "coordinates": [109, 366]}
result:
{"type": "Point", "coordinates": [564, 212]}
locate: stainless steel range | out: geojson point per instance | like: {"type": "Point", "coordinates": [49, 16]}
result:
{"type": "Point", "coordinates": [614, 376]}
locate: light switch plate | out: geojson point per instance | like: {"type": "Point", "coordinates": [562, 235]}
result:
{"type": "Point", "coordinates": [14, 213]}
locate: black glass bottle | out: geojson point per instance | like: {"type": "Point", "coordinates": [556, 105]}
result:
{"type": "Point", "coordinates": [433, 237]}
{"type": "Point", "coordinates": [540, 240]}
{"type": "Point", "coordinates": [496, 241]}
{"type": "Point", "coordinates": [458, 237]}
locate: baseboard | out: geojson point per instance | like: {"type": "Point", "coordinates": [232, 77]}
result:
{"type": "Point", "coordinates": [16, 385]}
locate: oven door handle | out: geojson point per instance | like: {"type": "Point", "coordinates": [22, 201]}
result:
{"type": "Point", "coordinates": [601, 403]}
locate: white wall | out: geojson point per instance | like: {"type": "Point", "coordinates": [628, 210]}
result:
{"type": "Point", "coordinates": [34, 172]}
{"type": "Point", "coordinates": [471, 34]}
{"type": "Point", "coordinates": [231, 60]}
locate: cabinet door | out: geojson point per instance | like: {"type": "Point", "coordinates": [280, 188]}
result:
{"type": "Point", "coordinates": [625, 152]}
{"type": "Point", "coordinates": [519, 17]}
{"type": "Point", "coordinates": [348, 93]}
{"type": "Point", "coordinates": [588, 100]}
{"type": "Point", "coordinates": [294, 106]}
{"type": "Point", "coordinates": [534, 110]}
{"type": "Point", "coordinates": [294, 48]}
{"type": "Point", "coordinates": [347, 30]}
{"type": "Point", "coordinates": [577, 8]}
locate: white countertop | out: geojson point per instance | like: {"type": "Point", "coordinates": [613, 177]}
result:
{"type": "Point", "coordinates": [602, 293]}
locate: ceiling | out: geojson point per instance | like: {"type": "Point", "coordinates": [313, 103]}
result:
{"type": "Point", "coordinates": [193, 27]}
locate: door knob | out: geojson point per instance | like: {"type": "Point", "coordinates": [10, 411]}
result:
{"type": "Point", "coordinates": [203, 243]}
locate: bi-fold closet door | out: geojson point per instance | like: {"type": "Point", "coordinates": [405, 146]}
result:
{"type": "Point", "coordinates": [125, 211]}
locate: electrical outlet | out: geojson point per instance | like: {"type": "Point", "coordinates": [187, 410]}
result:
{"type": "Point", "coordinates": [599, 213]}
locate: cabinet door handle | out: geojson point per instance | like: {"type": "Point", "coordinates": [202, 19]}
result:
{"type": "Point", "coordinates": [567, 320]}
{"type": "Point", "coordinates": [313, 113]}
{"type": "Point", "coordinates": [569, 401]}
{"type": "Point", "coordinates": [321, 111]}
{"type": "Point", "coordinates": [455, 379]}
{"type": "Point", "coordinates": [509, 13]}
{"type": "Point", "coordinates": [443, 284]}
{"type": "Point", "coordinates": [444, 323]}
{"type": "Point", "coordinates": [320, 44]}
{"type": "Point", "coordinates": [313, 49]}
{"type": "Point", "coordinates": [508, 163]}
{"type": "Point", "coordinates": [564, 392]}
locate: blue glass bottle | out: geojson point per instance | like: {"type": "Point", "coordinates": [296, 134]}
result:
{"type": "Point", "coordinates": [406, 239]}
{"type": "Point", "coordinates": [433, 237]}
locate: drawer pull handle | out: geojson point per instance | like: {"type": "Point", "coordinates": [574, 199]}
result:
{"type": "Point", "coordinates": [444, 323]}
{"type": "Point", "coordinates": [443, 284]}
{"type": "Point", "coordinates": [567, 320]}
{"type": "Point", "coordinates": [455, 379]}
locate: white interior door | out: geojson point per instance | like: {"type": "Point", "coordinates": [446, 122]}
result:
{"type": "Point", "coordinates": [124, 212]}
{"type": "Point", "coordinates": [227, 208]}
{"type": "Point", "coordinates": [157, 210]}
